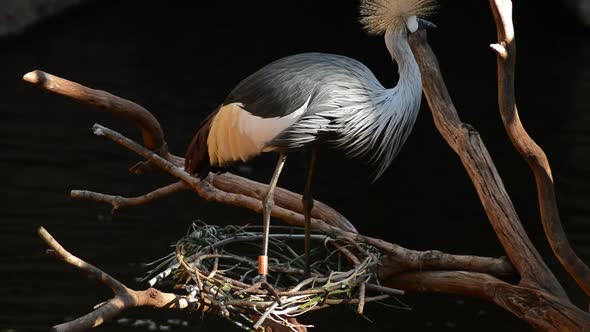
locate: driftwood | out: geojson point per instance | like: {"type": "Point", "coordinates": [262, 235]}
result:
{"type": "Point", "coordinates": [537, 298]}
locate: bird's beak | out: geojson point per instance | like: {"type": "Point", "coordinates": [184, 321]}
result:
{"type": "Point", "coordinates": [425, 25]}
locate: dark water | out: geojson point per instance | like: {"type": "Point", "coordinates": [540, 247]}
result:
{"type": "Point", "coordinates": [180, 62]}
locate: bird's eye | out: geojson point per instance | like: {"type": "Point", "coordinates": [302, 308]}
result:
{"type": "Point", "coordinates": [412, 23]}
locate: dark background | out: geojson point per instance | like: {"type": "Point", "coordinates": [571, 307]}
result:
{"type": "Point", "coordinates": [180, 61]}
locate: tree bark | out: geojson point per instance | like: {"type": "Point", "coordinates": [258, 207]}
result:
{"type": "Point", "coordinates": [528, 149]}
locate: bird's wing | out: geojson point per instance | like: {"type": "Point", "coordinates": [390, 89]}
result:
{"type": "Point", "coordinates": [279, 88]}
{"type": "Point", "coordinates": [309, 129]}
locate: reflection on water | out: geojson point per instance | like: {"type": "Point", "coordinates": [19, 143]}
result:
{"type": "Point", "coordinates": [180, 64]}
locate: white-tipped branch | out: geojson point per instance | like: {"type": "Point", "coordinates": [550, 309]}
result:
{"type": "Point", "coordinates": [528, 148]}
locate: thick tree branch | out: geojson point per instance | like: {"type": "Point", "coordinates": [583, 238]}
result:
{"type": "Point", "coordinates": [528, 149]}
{"type": "Point", "coordinates": [465, 141]}
{"type": "Point", "coordinates": [399, 259]}
{"type": "Point", "coordinates": [543, 311]}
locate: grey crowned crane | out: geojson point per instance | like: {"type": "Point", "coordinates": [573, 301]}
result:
{"type": "Point", "coordinates": [306, 99]}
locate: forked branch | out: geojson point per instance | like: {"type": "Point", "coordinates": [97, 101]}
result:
{"type": "Point", "coordinates": [236, 187]}
{"type": "Point", "coordinates": [465, 141]}
{"type": "Point", "coordinates": [124, 298]}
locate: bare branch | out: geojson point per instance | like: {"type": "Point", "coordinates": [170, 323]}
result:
{"type": "Point", "coordinates": [287, 199]}
{"type": "Point", "coordinates": [403, 258]}
{"type": "Point", "coordinates": [119, 202]}
{"type": "Point", "coordinates": [528, 149]}
{"type": "Point", "coordinates": [93, 271]}
{"type": "Point", "coordinates": [400, 259]}
{"type": "Point", "coordinates": [152, 133]}
{"type": "Point", "coordinates": [203, 188]}
{"type": "Point", "coordinates": [465, 141]}
{"type": "Point", "coordinates": [436, 260]}
{"type": "Point", "coordinates": [543, 311]}
{"type": "Point", "coordinates": [124, 297]}
{"type": "Point", "coordinates": [154, 140]}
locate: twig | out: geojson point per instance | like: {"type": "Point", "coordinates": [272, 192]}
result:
{"type": "Point", "coordinates": [119, 202]}
{"type": "Point", "coordinates": [528, 149]}
{"type": "Point", "coordinates": [383, 289]}
{"type": "Point", "coordinates": [361, 306]}
{"type": "Point", "coordinates": [356, 301]}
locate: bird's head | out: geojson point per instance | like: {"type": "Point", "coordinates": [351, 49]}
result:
{"type": "Point", "coordinates": [397, 17]}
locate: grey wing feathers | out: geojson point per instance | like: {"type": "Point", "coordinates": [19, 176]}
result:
{"type": "Point", "coordinates": [307, 130]}
{"type": "Point", "coordinates": [276, 90]}
{"type": "Point", "coordinates": [285, 85]}
{"type": "Point", "coordinates": [328, 83]}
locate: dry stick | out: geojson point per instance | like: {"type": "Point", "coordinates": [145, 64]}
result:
{"type": "Point", "coordinates": [528, 149]}
{"type": "Point", "coordinates": [465, 141]}
{"type": "Point", "coordinates": [124, 297]}
{"type": "Point", "coordinates": [363, 285]}
{"type": "Point", "coordinates": [152, 133]}
{"type": "Point", "coordinates": [153, 138]}
{"type": "Point", "coordinates": [119, 202]}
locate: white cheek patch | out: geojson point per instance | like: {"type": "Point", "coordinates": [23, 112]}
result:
{"type": "Point", "coordinates": [412, 23]}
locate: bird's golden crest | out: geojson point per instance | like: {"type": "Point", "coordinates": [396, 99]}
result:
{"type": "Point", "coordinates": [377, 16]}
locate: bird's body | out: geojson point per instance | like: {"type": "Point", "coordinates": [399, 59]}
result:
{"type": "Point", "coordinates": [313, 98]}
{"type": "Point", "coordinates": [307, 99]}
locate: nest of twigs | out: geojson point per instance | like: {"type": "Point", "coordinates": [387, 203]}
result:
{"type": "Point", "coordinates": [219, 266]}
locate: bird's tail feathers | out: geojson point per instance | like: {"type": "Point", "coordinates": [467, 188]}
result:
{"type": "Point", "coordinates": [196, 159]}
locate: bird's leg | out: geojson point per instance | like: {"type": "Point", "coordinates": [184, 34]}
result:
{"type": "Point", "coordinates": [307, 200]}
{"type": "Point", "coordinates": [267, 205]}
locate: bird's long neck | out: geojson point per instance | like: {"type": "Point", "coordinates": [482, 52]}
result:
{"type": "Point", "coordinates": [399, 107]}
{"type": "Point", "coordinates": [410, 83]}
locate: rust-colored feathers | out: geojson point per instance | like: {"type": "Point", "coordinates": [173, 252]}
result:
{"type": "Point", "coordinates": [197, 155]}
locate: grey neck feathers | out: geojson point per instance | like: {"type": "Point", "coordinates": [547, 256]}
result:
{"type": "Point", "coordinates": [409, 73]}
{"type": "Point", "coordinates": [400, 105]}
